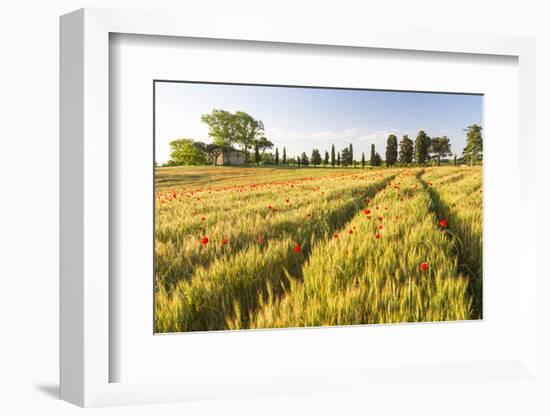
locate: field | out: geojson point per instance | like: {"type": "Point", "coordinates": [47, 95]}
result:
{"type": "Point", "coordinates": [240, 248]}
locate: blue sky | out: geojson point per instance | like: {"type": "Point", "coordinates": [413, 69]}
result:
{"type": "Point", "coordinates": [301, 119]}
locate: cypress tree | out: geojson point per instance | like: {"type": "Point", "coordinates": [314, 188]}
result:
{"type": "Point", "coordinates": [332, 156]}
{"type": "Point", "coordinates": [391, 150]}
{"type": "Point", "coordinates": [406, 150]}
{"type": "Point", "coordinates": [277, 156]}
{"type": "Point", "coordinates": [421, 147]}
{"type": "Point", "coordinates": [305, 159]}
{"type": "Point", "coordinates": [284, 156]}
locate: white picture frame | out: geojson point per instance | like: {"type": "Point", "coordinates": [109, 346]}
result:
{"type": "Point", "coordinates": [85, 219]}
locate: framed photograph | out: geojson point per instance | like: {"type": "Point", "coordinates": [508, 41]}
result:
{"type": "Point", "coordinates": [316, 214]}
{"type": "Point", "coordinates": [325, 236]}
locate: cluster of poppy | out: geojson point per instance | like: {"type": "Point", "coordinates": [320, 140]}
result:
{"type": "Point", "coordinates": [424, 266]}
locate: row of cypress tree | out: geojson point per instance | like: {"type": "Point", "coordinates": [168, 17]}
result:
{"type": "Point", "coordinates": [405, 151]}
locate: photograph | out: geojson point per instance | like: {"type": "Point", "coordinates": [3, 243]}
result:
{"type": "Point", "coordinates": [280, 206]}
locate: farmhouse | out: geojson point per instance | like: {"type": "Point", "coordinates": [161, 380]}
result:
{"type": "Point", "coordinates": [230, 157]}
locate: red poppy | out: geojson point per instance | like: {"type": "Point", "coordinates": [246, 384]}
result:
{"type": "Point", "coordinates": [380, 218]}
{"type": "Point", "coordinates": [367, 211]}
{"type": "Point", "coordinates": [378, 236]}
{"type": "Point", "coordinates": [270, 207]}
{"type": "Point", "coordinates": [424, 266]}
{"type": "Point", "coordinates": [204, 240]}
{"type": "Point", "coordinates": [335, 236]}
{"type": "Point", "coordinates": [203, 219]}
{"type": "Point", "coordinates": [443, 223]}
{"type": "Point", "coordinates": [297, 248]}
{"type": "Point", "coordinates": [380, 227]}
{"type": "Point", "coordinates": [225, 241]}
{"type": "Point", "coordinates": [351, 231]}
{"type": "Point", "coordinates": [261, 239]}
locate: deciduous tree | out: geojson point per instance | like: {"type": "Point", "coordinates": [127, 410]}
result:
{"type": "Point", "coordinates": [247, 130]}
{"type": "Point", "coordinates": [186, 152]}
{"type": "Point", "coordinates": [345, 156]}
{"type": "Point", "coordinates": [264, 144]}
{"type": "Point", "coordinates": [315, 157]}
{"type": "Point", "coordinates": [440, 147]}
{"type": "Point", "coordinates": [221, 128]}
{"type": "Point", "coordinates": [473, 151]}
{"type": "Point", "coordinates": [257, 156]}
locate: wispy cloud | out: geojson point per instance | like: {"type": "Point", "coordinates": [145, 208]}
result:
{"type": "Point", "coordinates": [361, 139]}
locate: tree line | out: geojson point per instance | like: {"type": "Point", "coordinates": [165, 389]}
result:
{"type": "Point", "coordinates": [228, 130]}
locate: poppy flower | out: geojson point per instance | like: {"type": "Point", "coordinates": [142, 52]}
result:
{"type": "Point", "coordinates": [297, 248]}
{"type": "Point", "coordinates": [270, 207]}
{"type": "Point", "coordinates": [380, 218]}
{"type": "Point", "coordinates": [204, 241]}
{"type": "Point", "coordinates": [261, 239]}
{"type": "Point", "coordinates": [443, 223]}
{"type": "Point", "coordinates": [225, 241]}
{"type": "Point", "coordinates": [366, 212]}
{"type": "Point", "coordinates": [380, 227]}
{"type": "Point", "coordinates": [351, 231]}
{"type": "Point", "coordinates": [203, 219]}
{"type": "Point", "coordinates": [424, 266]}
{"type": "Point", "coordinates": [335, 236]}
{"type": "Point", "coordinates": [378, 236]}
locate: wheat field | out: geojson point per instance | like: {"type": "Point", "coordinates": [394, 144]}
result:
{"type": "Point", "coordinates": [258, 247]}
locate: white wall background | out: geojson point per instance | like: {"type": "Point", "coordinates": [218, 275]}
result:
{"type": "Point", "coordinates": [29, 115]}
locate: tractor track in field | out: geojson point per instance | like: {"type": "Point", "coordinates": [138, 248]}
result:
{"type": "Point", "coordinates": [337, 219]}
{"type": "Point", "coordinates": [443, 210]}
{"type": "Point", "coordinates": [172, 273]}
